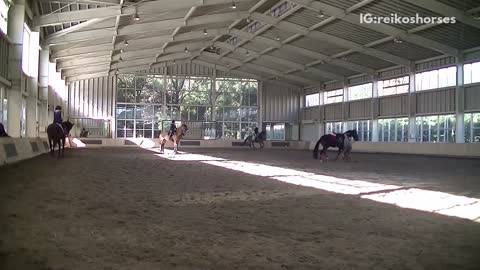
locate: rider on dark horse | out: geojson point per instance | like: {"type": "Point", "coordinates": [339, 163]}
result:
{"type": "Point", "coordinates": [173, 129]}
{"type": "Point", "coordinates": [57, 116]}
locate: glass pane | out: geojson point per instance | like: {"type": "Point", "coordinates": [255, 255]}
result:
{"type": "Point", "coordinates": [129, 111]}
{"type": "Point", "coordinates": [148, 133]}
{"type": "Point", "coordinates": [231, 114]}
{"type": "Point", "coordinates": [130, 95]}
{"type": "Point", "coordinates": [120, 124]}
{"type": "Point", "coordinates": [139, 112]}
{"type": "Point", "coordinates": [126, 81]}
{"type": "Point", "coordinates": [121, 111]}
{"type": "Point", "coordinates": [121, 95]}
{"type": "Point", "coordinates": [120, 133]}
{"type": "Point", "coordinates": [139, 124]}
{"type": "Point", "coordinates": [148, 112]}
{"type": "Point", "coordinates": [467, 120]}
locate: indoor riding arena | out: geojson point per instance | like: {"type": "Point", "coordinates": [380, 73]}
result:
{"type": "Point", "coordinates": [239, 134]}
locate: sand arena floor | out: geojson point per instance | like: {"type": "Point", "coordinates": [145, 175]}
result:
{"type": "Point", "coordinates": [127, 208]}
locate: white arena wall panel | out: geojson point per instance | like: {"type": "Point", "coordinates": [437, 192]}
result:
{"type": "Point", "coordinates": [393, 106]}
{"type": "Point", "coordinates": [280, 104]}
{"type": "Point", "coordinates": [472, 98]}
{"type": "Point", "coordinates": [359, 109]}
{"type": "Point", "coordinates": [436, 101]}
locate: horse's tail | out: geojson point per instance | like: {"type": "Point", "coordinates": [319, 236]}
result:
{"type": "Point", "coordinates": [315, 150]}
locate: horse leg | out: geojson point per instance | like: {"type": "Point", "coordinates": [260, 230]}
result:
{"type": "Point", "coordinates": [63, 147]}
{"type": "Point", "coordinates": [52, 147]}
{"type": "Point", "coordinates": [338, 153]}
{"type": "Point", "coordinates": [175, 147]}
{"type": "Point", "coordinates": [162, 146]}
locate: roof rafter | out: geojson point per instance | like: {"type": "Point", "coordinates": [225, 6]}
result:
{"type": "Point", "coordinates": [382, 28]}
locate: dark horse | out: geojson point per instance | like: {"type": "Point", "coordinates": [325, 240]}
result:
{"type": "Point", "coordinates": [260, 138]}
{"type": "Point", "coordinates": [3, 133]}
{"type": "Point", "coordinates": [334, 140]}
{"type": "Point", "coordinates": [56, 135]}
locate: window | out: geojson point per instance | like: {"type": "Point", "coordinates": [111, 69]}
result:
{"type": "Point", "coordinates": [275, 131]}
{"type": "Point", "coordinates": [471, 73]}
{"type": "Point", "coordinates": [146, 105]}
{"type": "Point", "coordinates": [312, 100]}
{"type": "Point", "coordinates": [393, 86]}
{"type": "Point", "coordinates": [30, 52]}
{"type": "Point", "coordinates": [364, 129]}
{"type": "Point", "coordinates": [436, 78]}
{"type": "Point", "coordinates": [436, 128]}
{"type": "Point", "coordinates": [333, 127]}
{"type": "Point", "coordinates": [393, 130]}
{"type": "Point", "coordinates": [472, 127]}
{"type": "Point", "coordinates": [3, 107]}
{"type": "Point", "coordinates": [360, 91]}
{"type": "Point", "coordinates": [334, 96]}
{"type": "Point", "coordinates": [4, 5]}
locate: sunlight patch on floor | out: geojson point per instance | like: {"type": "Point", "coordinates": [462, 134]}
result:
{"type": "Point", "coordinates": [405, 197]}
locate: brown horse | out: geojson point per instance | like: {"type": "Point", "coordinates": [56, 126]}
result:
{"type": "Point", "coordinates": [163, 138]}
{"type": "Point", "coordinates": [56, 135]}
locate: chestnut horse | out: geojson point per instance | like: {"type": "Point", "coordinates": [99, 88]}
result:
{"type": "Point", "coordinates": [163, 138]}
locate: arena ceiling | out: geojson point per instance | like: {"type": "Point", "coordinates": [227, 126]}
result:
{"type": "Point", "coordinates": [299, 42]}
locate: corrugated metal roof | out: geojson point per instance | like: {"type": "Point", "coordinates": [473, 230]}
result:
{"type": "Point", "coordinates": [275, 33]}
{"type": "Point", "coordinates": [351, 32]}
{"type": "Point", "coordinates": [407, 50]}
{"type": "Point", "coordinates": [341, 3]}
{"type": "Point", "coordinates": [318, 46]}
{"type": "Point", "coordinates": [336, 69]}
{"type": "Point", "coordinates": [222, 8]}
{"type": "Point", "coordinates": [271, 64]}
{"type": "Point", "coordinates": [463, 5]}
{"type": "Point", "coordinates": [457, 35]}
{"type": "Point", "coordinates": [305, 17]}
{"type": "Point", "coordinates": [368, 61]}
{"type": "Point", "coordinates": [292, 57]}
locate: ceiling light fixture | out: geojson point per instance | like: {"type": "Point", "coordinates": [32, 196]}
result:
{"type": "Point", "coordinates": [205, 32]}
{"type": "Point", "coordinates": [126, 43]}
{"type": "Point", "coordinates": [398, 41]}
{"type": "Point", "coordinates": [320, 14]}
{"type": "Point", "coordinates": [277, 38]}
{"type": "Point", "coordinates": [233, 6]}
{"type": "Point", "coordinates": [136, 17]}
{"type": "Point", "coordinates": [248, 19]}
{"type": "Point", "coordinates": [120, 59]}
{"type": "Point", "coordinates": [121, 50]}
{"type": "Point", "coordinates": [186, 49]}
{"type": "Point", "coordinates": [248, 53]}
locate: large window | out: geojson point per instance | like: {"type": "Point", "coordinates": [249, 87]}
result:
{"type": "Point", "coordinates": [312, 100]}
{"type": "Point", "coordinates": [333, 127]}
{"type": "Point", "coordinates": [147, 104]}
{"type": "Point", "coordinates": [235, 107]}
{"type": "Point", "coordinates": [436, 78]}
{"type": "Point", "coordinates": [361, 91]}
{"type": "Point", "coordinates": [472, 127]}
{"type": "Point", "coordinates": [334, 96]}
{"type": "Point", "coordinates": [3, 106]}
{"type": "Point", "coordinates": [393, 86]}
{"type": "Point", "coordinates": [275, 131]}
{"type": "Point", "coordinates": [393, 130]}
{"type": "Point", "coordinates": [436, 128]}
{"type": "Point", "coordinates": [140, 106]}
{"type": "Point", "coordinates": [4, 5]}
{"type": "Point", "coordinates": [471, 73]}
{"type": "Point", "coordinates": [30, 51]}
{"type": "Point", "coordinates": [364, 129]}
